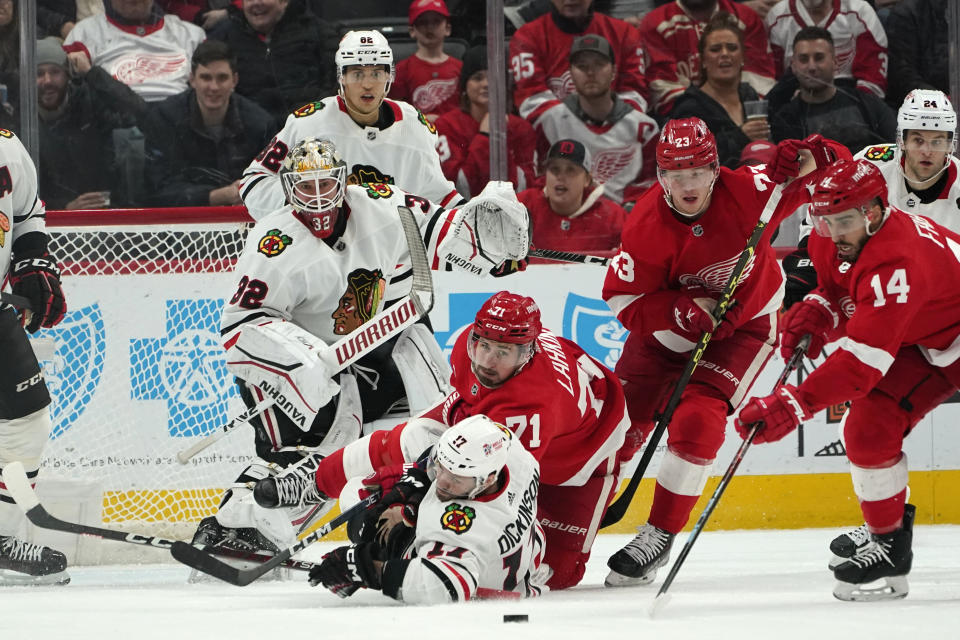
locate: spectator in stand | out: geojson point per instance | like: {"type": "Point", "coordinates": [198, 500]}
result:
{"type": "Point", "coordinates": [758, 152]}
{"type": "Point", "coordinates": [853, 118]}
{"type": "Point", "coordinates": [570, 213]}
{"type": "Point", "coordinates": [76, 120]}
{"type": "Point", "coordinates": [200, 141]}
{"type": "Point", "coordinates": [719, 98]}
{"type": "Point", "coordinates": [56, 18]}
{"type": "Point", "coordinates": [138, 45]}
{"type": "Point", "coordinates": [671, 35]}
{"type": "Point", "coordinates": [429, 78]}
{"type": "Point", "coordinates": [621, 139]}
{"type": "Point", "coordinates": [542, 75]}
{"type": "Point", "coordinates": [285, 52]}
{"type": "Point", "coordinates": [859, 41]}
{"type": "Point", "coordinates": [919, 48]}
{"type": "Point", "coordinates": [9, 65]}
{"type": "Point", "coordinates": [205, 13]}
{"type": "Point", "coordinates": [464, 135]}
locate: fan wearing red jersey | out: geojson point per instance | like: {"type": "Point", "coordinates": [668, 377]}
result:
{"type": "Point", "coordinates": [679, 246]}
{"type": "Point", "coordinates": [561, 404]}
{"type": "Point", "coordinates": [880, 293]}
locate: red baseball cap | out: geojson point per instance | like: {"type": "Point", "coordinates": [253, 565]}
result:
{"type": "Point", "coordinates": [758, 152]}
{"type": "Point", "coordinates": [420, 7]}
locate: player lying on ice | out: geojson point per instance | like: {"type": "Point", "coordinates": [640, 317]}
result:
{"type": "Point", "coordinates": [313, 271]}
{"type": "Point", "coordinates": [460, 524]}
{"type": "Point", "coordinates": [562, 405]}
{"type": "Point", "coordinates": [886, 293]}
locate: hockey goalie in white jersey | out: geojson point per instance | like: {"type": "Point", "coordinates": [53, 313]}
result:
{"type": "Point", "coordinates": [314, 271]}
{"type": "Point", "coordinates": [464, 527]}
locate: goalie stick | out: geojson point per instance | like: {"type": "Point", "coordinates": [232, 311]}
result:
{"type": "Point", "coordinates": [201, 560]}
{"type": "Point", "coordinates": [568, 256]}
{"type": "Point", "coordinates": [365, 338]}
{"type": "Point", "coordinates": [15, 478]}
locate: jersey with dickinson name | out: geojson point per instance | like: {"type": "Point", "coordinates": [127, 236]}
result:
{"type": "Point", "coordinates": [491, 545]}
{"type": "Point", "coordinates": [331, 289]}
{"type": "Point", "coordinates": [21, 210]}
{"type": "Point", "coordinates": [945, 209]}
{"type": "Point", "coordinates": [403, 154]}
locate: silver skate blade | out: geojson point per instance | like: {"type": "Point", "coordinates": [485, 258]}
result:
{"type": "Point", "coordinates": [656, 607]}
{"type": "Point", "coordinates": [891, 588]}
{"type": "Point", "coordinates": [615, 579]}
{"type": "Point", "coordinates": [10, 578]}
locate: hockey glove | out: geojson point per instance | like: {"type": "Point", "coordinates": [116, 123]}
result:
{"type": "Point", "coordinates": [801, 276]}
{"type": "Point", "coordinates": [346, 569]}
{"type": "Point", "coordinates": [807, 317]}
{"type": "Point", "coordinates": [38, 280]}
{"type": "Point", "coordinates": [780, 413]}
{"type": "Point", "coordinates": [823, 153]}
{"type": "Point", "coordinates": [787, 163]}
{"type": "Point", "coordinates": [691, 315]}
{"type": "Point", "coordinates": [398, 506]}
{"type": "Point", "coordinates": [509, 267]}
{"type": "Point", "coordinates": [732, 319]}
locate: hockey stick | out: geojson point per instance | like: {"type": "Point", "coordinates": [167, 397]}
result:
{"type": "Point", "coordinates": [662, 596]}
{"type": "Point", "coordinates": [619, 507]}
{"type": "Point", "coordinates": [363, 340]}
{"type": "Point", "coordinates": [201, 560]}
{"type": "Point", "coordinates": [567, 256]}
{"type": "Point", "coordinates": [15, 479]}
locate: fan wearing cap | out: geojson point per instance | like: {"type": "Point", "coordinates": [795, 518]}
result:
{"type": "Point", "coordinates": [620, 137]}
{"type": "Point", "coordinates": [678, 248]}
{"type": "Point", "coordinates": [886, 293]}
{"type": "Point", "coordinates": [571, 213]}
{"type": "Point", "coordinates": [428, 79]}
{"type": "Point", "coordinates": [464, 134]}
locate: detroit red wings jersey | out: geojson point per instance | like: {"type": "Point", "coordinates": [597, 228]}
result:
{"type": "Point", "coordinates": [431, 87]}
{"type": "Point", "coordinates": [661, 254]}
{"type": "Point", "coordinates": [595, 226]}
{"type": "Point", "coordinates": [539, 53]}
{"type": "Point", "coordinates": [153, 60]}
{"type": "Point", "coordinates": [944, 210]}
{"type": "Point", "coordinates": [21, 210]}
{"type": "Point", "coordinates": [285, 271]}
{"type": "Point", "coordinates": [673, 61]}
{"type": "Point", "coordinates": [900, 291]}
{"type": "Point", "coordinates": [563, 406]}
{"type": "Point", "coordinates": [621, 152]}
{"type": "Point", "coordinates": [488, 546]}
{"type": "Point", "coordinates": [403, 154]}
{"type": "Point", "coordinates": [859, 40]}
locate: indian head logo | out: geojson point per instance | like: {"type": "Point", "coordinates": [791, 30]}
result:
{"type": "Point", "coordinates": [364, 173]}
{"type": "Point", "coordinates": [423, 120]}
{"type": "Point", "coordinates": [457, 518]}
{"type": "Point", "coordinates": [360, 301]}
{"type": "Point", "coordinates": [273, 243]}
{"type": "Point", "coordinates": [308, 109]}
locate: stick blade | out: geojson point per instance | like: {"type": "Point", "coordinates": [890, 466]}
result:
{"type": "Point", "coordinates": [201, 560]}
{"type": "Point", "coordinates": [656, 607]}
{"type": "Point", "coordinates": [15, 478]}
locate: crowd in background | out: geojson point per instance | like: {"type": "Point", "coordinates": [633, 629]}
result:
{"type": "Point", "coordinates": [166, 102]}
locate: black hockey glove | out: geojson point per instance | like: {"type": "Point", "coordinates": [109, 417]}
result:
{"type": "Point", "coordinates": [508, 267]}
{"type": "Point", "coordinates": [346, 569]}
{"type": "Point", "coordinates": [406, 494]}
{"type": "Point", "coordinates": [801, 276]}
{"type": "Point", "coordinates": [38, 280]}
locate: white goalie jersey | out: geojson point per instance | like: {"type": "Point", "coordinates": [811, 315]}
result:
{"type": "Point", "coordinates": [21, 210]}
{"type": "Point", "coordinates": [490, 546]}
{"type": "Point", "coordinates": [402, 154]}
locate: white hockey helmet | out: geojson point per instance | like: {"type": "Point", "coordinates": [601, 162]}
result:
{"type": "Point", "coordinates": [314, 180]}
{"type": "Point", "coordinates": [474, 448]}
{"type": "Point", "coordinates": [364, 48]}
{"type": "Point", "coordinates": [927, 109]}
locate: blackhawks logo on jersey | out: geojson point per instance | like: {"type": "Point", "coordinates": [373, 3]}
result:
{"type": "Point", "coordinates": [880, 153]}
{"type": "Point", "coordinates": [457, 518]}
{"type": "Point", "coordinates": [377, 190]}
{"type": "Point", "coordinates": [360, 301]}
{"type": "Point", "coordinates": [273, 243]}
{"type": "Point", "coordinates": [6, 133]}
{"type": "Point", "coordinates": [364, 173]}
{"type": "Point", "coordinates": [423, 119]}
{"type": "Point", "coordinates": [308, 109]}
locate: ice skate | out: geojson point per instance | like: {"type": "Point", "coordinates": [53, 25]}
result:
{"type": "Point", "coordinates": [23, 563]}
{"type": "Point", "coordinates": [885, 560]}
{"type": "Point", "coordinates": [847, 544]}
{"type": "Point", "coordinates": [637, 563]}
{"type": "Point", "coordinates": [295, 486]}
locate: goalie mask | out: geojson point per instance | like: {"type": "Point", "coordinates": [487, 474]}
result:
{"type": "Point", "coordinates": [469, 456]}
{"type": "Point", "coordinates": [314, 180]}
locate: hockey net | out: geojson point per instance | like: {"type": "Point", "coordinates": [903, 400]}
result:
{"type": "Point", "coordinates": [136, 369]}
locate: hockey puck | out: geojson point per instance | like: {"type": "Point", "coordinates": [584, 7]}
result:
{"type": "Point", "coordinates": [516, 617]}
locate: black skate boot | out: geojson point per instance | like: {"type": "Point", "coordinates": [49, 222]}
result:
{"type": "Point", "coordinates": [211, 533]}
{"type": "Point", "coordinates": [637, 563]}
{"type": "Point", "coordinates": [845, 545]}
{"type": "Point", "coordinates": [886, 557]}
{"type": "Point", "coordinates": [24, 563]}
{"type": "Point", "coordinates": [295, 486]}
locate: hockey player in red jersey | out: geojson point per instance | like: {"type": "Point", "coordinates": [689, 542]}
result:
{"type": "Point", "coordinates": [678, 249]}
{"type": "Point", "coordinates": [561, 404]}
{"type": "Point", "coordinates": [886, 293]}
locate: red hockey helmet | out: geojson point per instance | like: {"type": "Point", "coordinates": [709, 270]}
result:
{"type": "Point", "coordinates": [848, 184]}
{"type": "Point", "coordinates": [684, 144]}
{"type": "Point", "coordinates": [508, 317]}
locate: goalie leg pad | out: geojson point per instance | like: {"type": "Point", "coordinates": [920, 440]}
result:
{"type": "Point", "coordinates": [348, 421]}
{"type": "Point", "coordinates": [423, 368]}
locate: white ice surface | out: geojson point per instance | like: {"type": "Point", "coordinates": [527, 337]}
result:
{"type": "Point", "coordinates": [770, 585]}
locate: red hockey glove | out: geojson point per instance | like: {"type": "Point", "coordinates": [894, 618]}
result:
{"type": "Point", "coordinates": [688, 317]}
{"type": "Point", "coordinates": [823, 153]}
{"type": "Point", "coordinates": [38, 280]}
{"type": "Point", "coordinates": [806, 317]}
{"type": "Point", "coordinates": [731, 321]}
{"type": "Point", "coordinates": [780, 413]}
{"type": "Point", "coordinates": [787, 163]}
{"type": "Point", "coordinates": [346, 569]}
{"type": "Point", "coordinates": [383, 479]}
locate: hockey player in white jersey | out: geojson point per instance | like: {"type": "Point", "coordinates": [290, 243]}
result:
{"type": "Point", "coordinates": [463, 528]}
{"type": "Point", "coordinates": [313, 271]}
{"type": "Point", "coordinates": [24, 399]}
{"type": "Point", "coordinates": [384, 141]}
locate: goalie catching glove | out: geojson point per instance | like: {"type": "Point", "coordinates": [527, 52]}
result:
{"type": "Point", "coordinates": [282, 360]}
